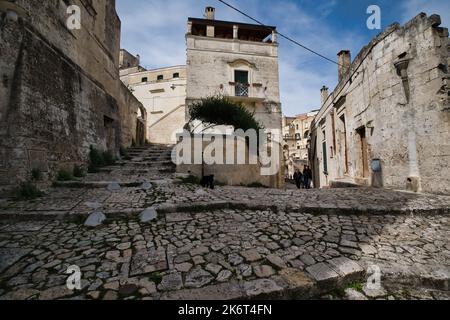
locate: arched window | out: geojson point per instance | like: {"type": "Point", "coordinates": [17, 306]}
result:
{"type": "Point", "coordinates": [298, 136]}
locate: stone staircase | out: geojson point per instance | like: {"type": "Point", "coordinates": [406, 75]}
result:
{"type": "Point", "coordinates": [141, 164]}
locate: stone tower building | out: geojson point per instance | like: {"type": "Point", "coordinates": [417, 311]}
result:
{"type": "Point", "coordinates": [238, 61]}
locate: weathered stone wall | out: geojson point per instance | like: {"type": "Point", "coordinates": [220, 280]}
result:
{"type": "Point", "coordinates": [398, 94]}
{"type": "Point", "coordinates": [230, 174]}
{"type": "Point", "coordinates": [57, 97]}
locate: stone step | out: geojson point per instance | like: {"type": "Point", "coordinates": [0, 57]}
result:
{"type": "Point", "coordinates": [94, 184]}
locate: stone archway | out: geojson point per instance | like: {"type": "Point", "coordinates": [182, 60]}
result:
{"type": "Point", "coordinates": [141, 126]}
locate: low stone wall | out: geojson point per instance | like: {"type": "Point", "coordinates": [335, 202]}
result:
{"type": "Point", "coordinates": [241, 173]}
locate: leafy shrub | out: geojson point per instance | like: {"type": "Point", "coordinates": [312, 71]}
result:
{"type": "Point", "coordinates": [78, 171]}
{"type": "Point", "coordinates": [99, 159]}
{"type": "Point", "coordinates": [64, 175]}
{"type": "Point", "coordinates": [219, 110]}
{"type": "Point", "coordinates": [36, 175]}
{"type": "Point", "coordinates": [27, 191]}
{"type": "Point", "coordinates": [96, 159]}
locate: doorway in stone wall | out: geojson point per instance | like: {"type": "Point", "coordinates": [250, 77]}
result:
{"type": "Point", "coordinates": [363, 160]}
{"type": "Point", "coordinates": [140, 132]}
{"type": "Point", "coordinates": [110, 133]}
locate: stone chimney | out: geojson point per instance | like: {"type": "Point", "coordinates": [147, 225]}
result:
{"type": "Point", "coordinates": [210, 13]}
{"type": "Point", "coordinates": [323, 95]}
{"type": "Point", "coordinates": [344, 60]}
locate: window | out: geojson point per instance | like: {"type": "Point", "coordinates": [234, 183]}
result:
{"type": "Point", "coordinates": [241, 83]}
{"type": "Point", "coordinates": [176, 75]}
{"type": "Point", "coordinates": [145, 79]}
{"type": "Point", "coordinates": [324, 154]}
{"type": "Point", "coordinates": [296, 127]}
{"type": "Point", "coordinates": [298, 136]}
{"type": "Point", "coordinates": [160, 77]}
{"type": "Point", "coordinates": [306, 134]}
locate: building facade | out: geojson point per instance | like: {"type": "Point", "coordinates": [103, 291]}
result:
{"type": "Point", "coordinates": [387, 124]}
{"type": "Point", "coordinates": [238, 61]}
{"type": "Point", "coordinates": [163, 94]}
{"type": "Point", "coordinates": [296, 133]}
{"type": "Point", "coordinates": [61, 91]}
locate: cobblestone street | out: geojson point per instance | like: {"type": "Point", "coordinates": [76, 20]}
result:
{"type": "Point", "coordinates": [227, 243]}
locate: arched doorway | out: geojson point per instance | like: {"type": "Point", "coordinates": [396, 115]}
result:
{"type": "Point", "coordinates": [141, 126]}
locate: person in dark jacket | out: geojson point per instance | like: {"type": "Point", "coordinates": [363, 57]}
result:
{"type": "Point", "coordinates": [298, 177]}
{"type": "Point", "coordinates": [307, 176]}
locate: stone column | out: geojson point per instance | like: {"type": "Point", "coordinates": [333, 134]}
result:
{"type": "Point", "coordinates": [274, 36]}
{"type": "Point", "coordinates": [235, 32]}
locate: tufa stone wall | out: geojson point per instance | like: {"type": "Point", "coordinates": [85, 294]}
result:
{"type": "Point", "coordinates": [387, 124]}
{"type": "Point", "coordinates": [57, 99]}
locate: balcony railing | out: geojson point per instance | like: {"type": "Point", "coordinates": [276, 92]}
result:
{"type": "Point", "coordinates": [241, 90]}
{"type": "Point", "coordinates": [244, 90]}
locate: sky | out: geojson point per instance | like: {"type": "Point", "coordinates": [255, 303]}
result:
{"type": "Point", "coordinates": [155, 29]}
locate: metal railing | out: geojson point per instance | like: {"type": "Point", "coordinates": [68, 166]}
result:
{"type": "Point", "coordinates": [241, 90]}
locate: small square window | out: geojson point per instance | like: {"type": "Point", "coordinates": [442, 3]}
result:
{"type": "Point", "coordinates": [145, 79]}
{"type": "Point", "coordinates": [176, 75]}
{"type": "Point", "coordinates": [160, 77]}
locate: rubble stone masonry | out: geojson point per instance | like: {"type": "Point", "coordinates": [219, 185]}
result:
{"type": "Point", "coordinates": [387, 124]}
{"type": "Point", "coordinates": [60, 90]}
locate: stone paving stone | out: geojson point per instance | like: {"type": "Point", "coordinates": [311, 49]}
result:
{"type": "Point", "coordinates": [297, 280]}
{"type": "Point", "coordinates": [171, 282]}
{"type": "Point", "coordinates": [348, 269]}
{"type": "Point", "coordinates": [262, 289]}
{"type": "Point", "coordinates": [323, 274]}
{"type": "Point", "coordinates": [251, 255]}
{"type": "Point", "coordinates": [10, 256]}
{"type": "Point", "coordinates": [178, 217]}
{"type": "Point", "coordinates": [263, 271]}
{"type": "Point", "coordinates": [225, 291]}
{"type": "Point", "coordinates": [352, 294]}
{"type": "Point", "coordinates": [197, 278]}
{"type": "Point", "coordinates": [147, 261]}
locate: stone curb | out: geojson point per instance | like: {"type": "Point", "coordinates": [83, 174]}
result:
{"type": "Point", "coordinates": [93, 185]}
{"type": "Point", "coordinates": [291, 284]}
{"type": "Point", "coordinates": [214, 206]}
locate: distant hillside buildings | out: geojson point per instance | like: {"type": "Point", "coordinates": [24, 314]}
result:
{"type": "Point", "coordinates": [296, 134]}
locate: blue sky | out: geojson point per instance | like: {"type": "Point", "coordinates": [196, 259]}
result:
{"type": "Point", "coordinates": [156, 29]}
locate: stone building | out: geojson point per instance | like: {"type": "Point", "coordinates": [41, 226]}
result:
{"type": "Point", "coordinates": [387, 123]}
{"type": "Point", "coordinates": [296, 132]}
{"type": "Point", "coordinates": [60, 90]}
{"type": "Point", "coordinates": [163, 94]}
{"type": "Point", "coordinates": [238, 61]}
